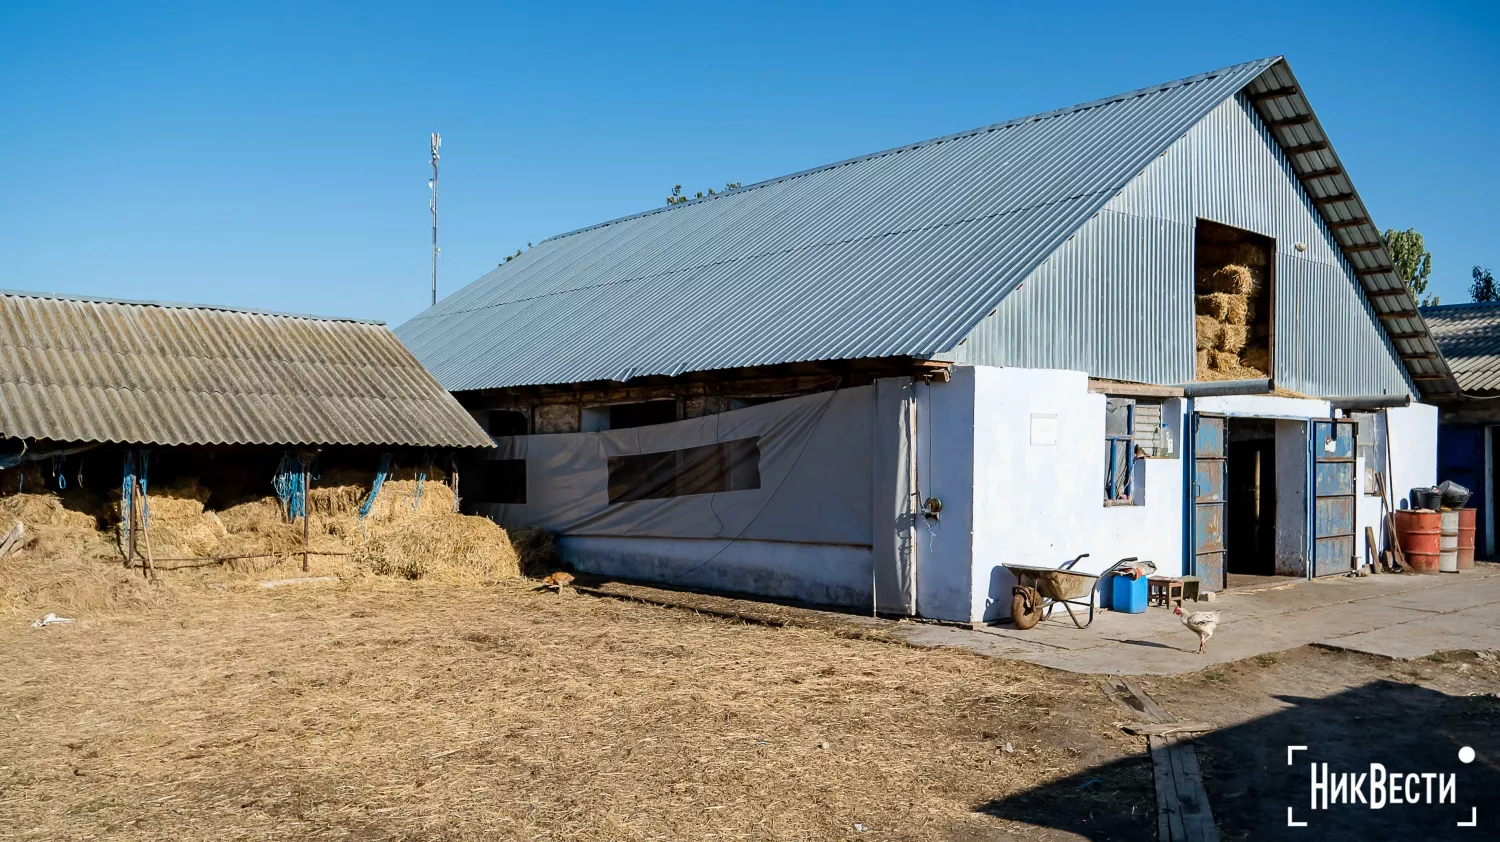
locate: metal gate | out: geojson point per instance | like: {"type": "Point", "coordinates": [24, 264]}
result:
{"type": "Point", "coordinates": [1333, 497]}
{"type": "Point", "coordinates": [1209, 501]}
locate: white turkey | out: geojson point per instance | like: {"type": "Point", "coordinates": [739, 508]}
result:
{"type": "Point", "coordinates": [1202, 623]}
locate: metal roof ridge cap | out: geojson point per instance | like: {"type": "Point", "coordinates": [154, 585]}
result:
{"type": "Point", "coordinates": [178, 305]}
{"type": "Point", "coordinates": [1160, 87]}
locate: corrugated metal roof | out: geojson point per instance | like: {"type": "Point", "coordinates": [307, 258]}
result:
{"type": "Point", "coordinates": [1469, 337]}
{"type": "Point", "coordinates": [1281, 102]}
{"type": "Point", "coordinates": [899, 253]}
{"type": "Point", "coordinates": [98, 370]}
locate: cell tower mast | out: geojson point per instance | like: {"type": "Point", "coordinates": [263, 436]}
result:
{"type": "Point", "coordinates": [437, 142]}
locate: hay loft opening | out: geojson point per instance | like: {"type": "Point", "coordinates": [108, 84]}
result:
{"type": "Point", "coordinates": [1232, 286]}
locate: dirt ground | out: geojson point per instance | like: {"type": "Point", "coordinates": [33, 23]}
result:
{"type": "Point", "coordinates": [397, 710]}
{"type": "Point", "coordinates": [385, 709]}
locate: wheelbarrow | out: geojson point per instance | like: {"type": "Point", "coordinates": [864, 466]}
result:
{"type": "Point", "coordinates": [1040, 589]}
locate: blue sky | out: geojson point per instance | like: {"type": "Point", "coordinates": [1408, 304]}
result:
{"type": "Point", "coordinates": [275, 156]}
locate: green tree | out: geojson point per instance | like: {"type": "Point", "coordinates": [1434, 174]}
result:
{"type": "Point", "coordinates": [676, 198]}
{"type": "Point", "coordinates": [1483, 288]}
{"type": "Point", "coordinates": [1413, 261]}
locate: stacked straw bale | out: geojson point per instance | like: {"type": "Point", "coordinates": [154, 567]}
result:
{"type": "Point", "coordinates": [1227, 340]}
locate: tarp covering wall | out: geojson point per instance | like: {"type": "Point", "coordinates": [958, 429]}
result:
{"type": "Point", "coordinates": [806, 532]}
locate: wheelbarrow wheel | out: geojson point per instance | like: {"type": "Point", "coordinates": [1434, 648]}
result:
{"type": "Point", "coordinates": [1025, 608]}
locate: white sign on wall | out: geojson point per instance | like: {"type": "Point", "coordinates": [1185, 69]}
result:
{"type": "Point", "coordinates": [1043, 430]}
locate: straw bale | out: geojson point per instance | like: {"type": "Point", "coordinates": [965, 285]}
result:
{"type": "Point", "coordinates": [1200, 367]}
{"type": "Point", "coordinates": [1223, 360]}
{"type": "Point", "coordinates": [1232, 338]}
{"type": "Point", "coordinates": [1226, 308]}
{"type": "Point", "coordinates": [456, 549]}
{"type": "Point", "coordinates": [1233, 279]}
{"type": "Point", "coordinates": [1257, 357]}
{"type": "Point", "coordinates": [1208, 331]}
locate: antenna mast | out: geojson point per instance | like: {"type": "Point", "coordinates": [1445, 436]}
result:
{"type": "Point", "coordinates": [437, 141]}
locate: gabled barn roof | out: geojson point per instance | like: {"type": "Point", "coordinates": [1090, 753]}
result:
{"type": "Point", "coordinates": [895, 254]}
{"type": "Point", "coordinates": [100, 370]}
{"type": "Point", "coordinates": [1469, 337]}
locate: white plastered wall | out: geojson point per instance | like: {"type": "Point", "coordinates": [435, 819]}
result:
{"type": "Point", "coordinates": [1028, 503]}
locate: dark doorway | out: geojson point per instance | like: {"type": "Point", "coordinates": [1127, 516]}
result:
{"type": "Point", "coordinates": [1250, 533]}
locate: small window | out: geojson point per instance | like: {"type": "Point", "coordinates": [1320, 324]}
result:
{"type": "Point", "coordinates": [495, 481]}
{"type": "Point", "coordinates": [709, 469]}
{"type": "Point", "coordinates": [1119, 450]}
{"type": "Point", "coordinates": [506, 422]}
{"type": "Point", "coordinates": [623, 416]}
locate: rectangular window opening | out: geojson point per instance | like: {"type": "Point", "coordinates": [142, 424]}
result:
{"type": "Point", "coordinates": [1234, 279]}
{"type": "Point", "coordinates": [494, 482]}
{"type": "Point", "coordinates": [506, 422]}
{"type": "Point", "coordinates": [707, 469]}
{"type": "Point", "coordinates": [1121, 451]}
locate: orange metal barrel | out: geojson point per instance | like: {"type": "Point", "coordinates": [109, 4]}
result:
{"type": "Point", "coordinates": [1420, 534]}
{"type": "Point", "coordinates": [1466, 539]}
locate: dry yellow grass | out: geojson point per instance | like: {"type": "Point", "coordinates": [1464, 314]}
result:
{"type": "Point", "coordinates": [387, 709]}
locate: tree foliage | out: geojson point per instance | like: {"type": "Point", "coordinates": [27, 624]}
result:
{"type": "Point", "coordinates": [1413, 261]}
{"type": "Point", "coordinates": [1483, 287]}
{"type": "Point", "coordinates": [676, 197]}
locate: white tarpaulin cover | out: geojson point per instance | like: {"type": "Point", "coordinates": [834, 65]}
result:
{"type": "Point", "coordinates": [807, 531]}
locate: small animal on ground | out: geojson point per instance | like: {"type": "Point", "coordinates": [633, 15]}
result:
{"type": "Point", "coordinates": [1202, 623]}
{"type": "Point", "coordinates": [557, 581]}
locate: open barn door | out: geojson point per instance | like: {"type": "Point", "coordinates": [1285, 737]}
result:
{"type": "Point", "coordinates": [1209, 501]}
{"type": "Point", "coordinates": [1333, 497]}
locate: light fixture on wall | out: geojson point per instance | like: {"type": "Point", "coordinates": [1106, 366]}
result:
{"type": "Point", "coordinates": [1300, 246]}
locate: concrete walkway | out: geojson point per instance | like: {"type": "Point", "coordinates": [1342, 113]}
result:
{"type": "Point", "coordinates": [1396, 616]}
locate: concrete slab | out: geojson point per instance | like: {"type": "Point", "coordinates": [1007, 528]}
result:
{"type": "Point", "coordinates": [1476, 628]}
{"type": "Point", "coordinates": [1396, 615]}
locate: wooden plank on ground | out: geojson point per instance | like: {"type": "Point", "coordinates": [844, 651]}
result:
{"type": "Point", "coordinates": [1154, 730]}
{"type": "Point", "coordinates": [1168, 812]}
{"type": "Point", "coordinates": [1197, 817]}
{"type": "Point", "coordinates": [1154, 712]}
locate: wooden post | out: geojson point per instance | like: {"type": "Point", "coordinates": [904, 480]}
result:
{"type": "Point", "coordinates": [149, 568]}
{"type": "Point", "coordinates": [306, 513]}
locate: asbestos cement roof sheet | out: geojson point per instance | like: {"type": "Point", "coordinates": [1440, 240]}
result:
{"type": "Point", "coordinates": [99, 370]}
{"type": "Point", "coordinates": [1469, 337]}
{"type": "Point", "coordinates": [899, 253]}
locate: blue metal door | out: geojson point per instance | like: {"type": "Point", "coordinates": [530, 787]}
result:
{"type": "Point", "coordinates": [1209, 501]}
{"type": "Point", "coordinates": [1333, 497]}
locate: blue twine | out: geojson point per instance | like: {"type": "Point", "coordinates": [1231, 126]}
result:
{"type": "Point", "coordinates": [289, 486]}
{"type": "Point", "coordinates": [137, 465]}
{"type": "Point", "coordinates": [380, 477]}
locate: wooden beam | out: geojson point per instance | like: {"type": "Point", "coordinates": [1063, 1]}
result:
{"type": "Point", "coordinates": [1133, 390]}
{"type": "Point", "coordinates": [1363, 247]}
{"type": "Point", "coordinates": [1427, 356]}
{"type": "Point", "coordinates": [1384, 293]}
{"type": "Point", "coordinates": [1336, 197]}
{"type": "Point", "coordinates": [1429, 377]}
{"type": "Point", "coordinates": [1350, 223]}
{"type": "Point", "coordinates": [1273, 93]}
{"type": "Point", "coordinates": [1408, 336]}
{"type": "Point", "coordinates": [1299, 120]}
{"type": "Point", "coordinates": [1375, 270]}
{"type": "Point", "coordinates": [1400, 314]}
{"type": "Point", "coordinates": [1316, 146]}
{"type": "Point", "coordinates": [1321, 173]}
